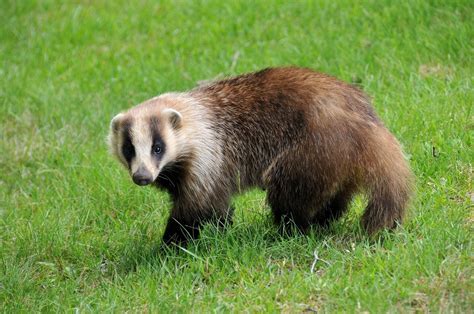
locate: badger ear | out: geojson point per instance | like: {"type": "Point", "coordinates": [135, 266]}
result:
{"type": "Point", "coordinates": [114, 124]}
{"type": "Point", "coordinates": [174, 117]}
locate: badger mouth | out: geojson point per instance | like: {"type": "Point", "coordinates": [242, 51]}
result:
{"type": "Point", "coordinates": [142, 177]}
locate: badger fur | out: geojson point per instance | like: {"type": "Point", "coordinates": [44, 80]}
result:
{"type": "Point", "coordinates": [310, 140]}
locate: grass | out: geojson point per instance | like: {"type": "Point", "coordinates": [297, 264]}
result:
{"type": "Point", "coordinates": [76, 234]}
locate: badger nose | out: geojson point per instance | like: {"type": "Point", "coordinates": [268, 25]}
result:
{"type": "Point", "coordinates": [142, 177]}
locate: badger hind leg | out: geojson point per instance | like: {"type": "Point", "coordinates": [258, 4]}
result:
{"type": "Point", "coordinates": [296, 188]}
{"type": "Point", "coordinates": [336, 207]}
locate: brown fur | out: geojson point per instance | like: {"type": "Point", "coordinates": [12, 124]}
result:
{"type": "Point", "coordinates": [309, 139]}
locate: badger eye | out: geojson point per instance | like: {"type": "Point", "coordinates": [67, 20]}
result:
{"type": "Point", "coordinates": [156, 149]}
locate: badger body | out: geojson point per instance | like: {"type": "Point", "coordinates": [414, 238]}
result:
{"type": "Point", "coordinates": [310, 140]}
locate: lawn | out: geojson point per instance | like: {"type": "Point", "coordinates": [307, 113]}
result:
{"type": "Point", "coordinates": [77, 235]}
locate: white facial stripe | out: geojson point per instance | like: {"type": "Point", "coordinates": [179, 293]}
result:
{"type": "Point", "coordinates": [142, 142]}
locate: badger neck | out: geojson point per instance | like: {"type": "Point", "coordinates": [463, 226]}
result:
{"type": "Point", "coordinates": [192, 177]}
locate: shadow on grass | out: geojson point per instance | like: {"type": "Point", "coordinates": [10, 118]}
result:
{"type": "Point", "coordinates": [253, 238]}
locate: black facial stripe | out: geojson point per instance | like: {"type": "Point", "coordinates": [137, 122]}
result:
{"type": "Point", "coordinates": [156, 136]}
{"type": "Point", "coordinates": [128, 151]}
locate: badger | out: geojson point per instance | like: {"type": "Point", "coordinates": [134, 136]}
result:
{"type": "Point", "coordinates": [308, 139]}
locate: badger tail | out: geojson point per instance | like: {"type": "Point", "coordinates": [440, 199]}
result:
{"type": "Point", "coordinates": [389, 183]}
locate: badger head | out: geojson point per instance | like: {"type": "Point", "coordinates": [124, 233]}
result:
{"type": "Point", "coordinates": [145, 139]}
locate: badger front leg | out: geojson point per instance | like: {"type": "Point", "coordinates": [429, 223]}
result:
{"type": "Point", "coordinates": [179, 231]}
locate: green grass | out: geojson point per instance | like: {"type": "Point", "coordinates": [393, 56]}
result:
{"type": "Point", "coordinates": [76, 233]}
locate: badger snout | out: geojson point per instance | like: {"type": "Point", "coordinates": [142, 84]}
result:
{"type": "Point", "coordinates": [142, 177]}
